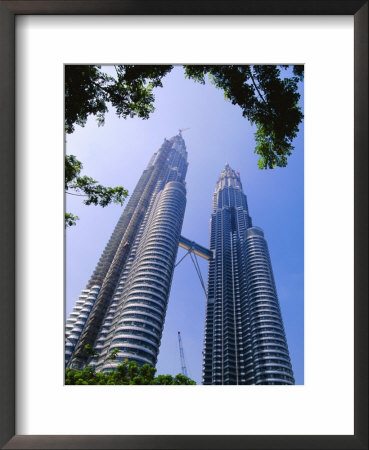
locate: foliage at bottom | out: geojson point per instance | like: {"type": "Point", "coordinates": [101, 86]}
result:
{"type": "Point", "coordinates": [126, 373]}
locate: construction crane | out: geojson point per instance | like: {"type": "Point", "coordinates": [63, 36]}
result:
{"type": "Point", "coordinates": [182, 129]}
{"type": "Point", "coordinates": [181, 354]}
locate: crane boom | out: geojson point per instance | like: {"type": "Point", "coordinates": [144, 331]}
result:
{"type": "Point", "coordinates": [181, 354]}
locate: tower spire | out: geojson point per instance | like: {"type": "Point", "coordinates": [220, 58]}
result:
{"type": "Point", "coordinates": [181, 130]}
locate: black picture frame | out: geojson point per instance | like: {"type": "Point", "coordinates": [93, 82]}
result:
{"type": "Point", "coordinates": [8, 12]}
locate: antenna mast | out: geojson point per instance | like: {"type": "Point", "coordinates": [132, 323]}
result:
{"type": "Point", "coordinates": [182, 129]}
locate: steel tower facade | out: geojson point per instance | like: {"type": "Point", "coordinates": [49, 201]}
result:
{"type": "Point", "coordinates": [244, 340]}
{"type": "Point", "coordinates": [125, 301]}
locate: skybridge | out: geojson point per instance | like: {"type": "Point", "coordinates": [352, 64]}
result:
{"type": "Point", "coordinates": [195, 248]}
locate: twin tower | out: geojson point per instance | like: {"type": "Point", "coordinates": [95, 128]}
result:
{"type": "Point", "coordinates": [125, 301]}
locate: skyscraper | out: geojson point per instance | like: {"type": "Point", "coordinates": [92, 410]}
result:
{"type": "Point", "coordinates": [125, 301]}
{"type": "Point", "coordinates": [244, 342]}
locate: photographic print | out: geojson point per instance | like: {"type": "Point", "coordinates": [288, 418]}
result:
{"type": "Point", "coordinates": [293, 205]}
{"type": "Point", "coordinates": [184, 219]}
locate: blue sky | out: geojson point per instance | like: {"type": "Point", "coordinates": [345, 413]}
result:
{"type": "Point", "coordinates": [117, 153]}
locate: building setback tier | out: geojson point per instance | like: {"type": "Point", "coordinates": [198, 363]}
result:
{"type": "Point", "coordinates": [125, 301]}
{"type": "Point", "coordinates": [244, 340]}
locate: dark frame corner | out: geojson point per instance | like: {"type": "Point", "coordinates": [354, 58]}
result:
{"type": "Point", "coordinates": [8, 11]}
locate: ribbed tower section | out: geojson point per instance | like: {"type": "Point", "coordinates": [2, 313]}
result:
{"type": "Point", "coordinates": [148, 231]}
{"type": "Point", "coordinates": [139, 316]}
{"type": "Point", "coordinates": [244, 340]}
{"type": "Point", "coordinates": [270, 356]}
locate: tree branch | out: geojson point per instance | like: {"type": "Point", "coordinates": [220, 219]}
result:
{"type": "Point", "coordinates": [78, 195]}
{"type": "Point", "coordinates": [253, 82]}
{"type": "Point", "coordinates": [115, 67]}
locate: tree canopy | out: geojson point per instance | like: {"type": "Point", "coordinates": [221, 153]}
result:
{"type": "Point", "coordinates": [266, 99]}
{"type": "Point", "coordinates": [88, 89]}
{"type": "Point", "coordinates": [87, 187]}
{"type": "Point", "coordinates": [125, 374]}
{"type": "Point", "coordinates": [266, 94]}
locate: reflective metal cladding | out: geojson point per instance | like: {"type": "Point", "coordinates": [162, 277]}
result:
{"type": "Point", "coordinates": [244, 342]}
{"type": "Point", "coordinates": [124, 303]}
